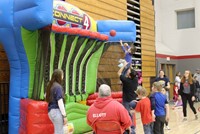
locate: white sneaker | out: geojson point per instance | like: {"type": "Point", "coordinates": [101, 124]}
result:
{"type": "Point", "coordinates": [120, 65]}
{"type": "Point", "coordinates": [167, 128]}
{"type": "Point", "coordinates": [184, 119]}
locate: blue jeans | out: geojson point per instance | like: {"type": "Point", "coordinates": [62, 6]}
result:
{"type": "Point", "coordinates": [148, 128]}
{"type": "Point", "coordinates": [57, 120]}
{"type": "Point", "coordinates": [126, 68]}
{"type": "Point", "coordinates": [127, 106]}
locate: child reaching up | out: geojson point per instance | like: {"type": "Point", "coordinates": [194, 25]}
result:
{"type": "Point", "coordinates": [129, 51]}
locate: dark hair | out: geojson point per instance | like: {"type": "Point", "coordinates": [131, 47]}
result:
{"type": "Point", "coordinates": [56, 77]}
{"type": "Point", "coordinates": [133, 74]}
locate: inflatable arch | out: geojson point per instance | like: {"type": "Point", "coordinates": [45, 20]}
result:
{"type": "Point", "coordinates": [39, 36]}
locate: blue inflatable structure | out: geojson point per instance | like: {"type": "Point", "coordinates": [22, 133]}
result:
{"type": "Point", "coordinates": [14, 14]}
{"type": "Point", "coordinates": [33, 15]}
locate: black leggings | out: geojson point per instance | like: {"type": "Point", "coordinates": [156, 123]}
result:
{"type": "Point", "coordinates": [185, 98]}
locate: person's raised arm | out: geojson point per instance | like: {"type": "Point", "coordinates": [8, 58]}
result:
{"type": "Point", "coordinates": [121, 69]}
{"type": "Point", "coordinates": [123, 48]}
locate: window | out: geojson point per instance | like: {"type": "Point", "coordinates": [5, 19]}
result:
{"type": "Point", "coordinates": [185, 19]}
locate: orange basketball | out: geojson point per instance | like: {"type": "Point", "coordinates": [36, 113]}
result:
{"type": "Point", "coordinates": [112, 33]}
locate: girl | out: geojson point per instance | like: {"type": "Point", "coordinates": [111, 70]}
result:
{"type": "Point", "coordinates": [55, 99]}
{"type": "Point", "coordinates": [176, 88]}
{"type": "Point", "coordinates": [187, 92]}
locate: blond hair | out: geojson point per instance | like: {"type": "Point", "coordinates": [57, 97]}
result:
{"type": "Point", "coordinates": [158, 85]}
{"type": "Point", "coordinates": [141, 91]}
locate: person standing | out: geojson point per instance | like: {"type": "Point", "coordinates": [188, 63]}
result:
{"type": "Point", "coordinates": [187, 92]}
{"type": "Point", "coordinates": [163, 79]}
{"type": "Point", "coordinates": [144, 107]}
{"type": "Point", "coordinates": [55, 99]}
{"type": "Point", "coordinates": [197, 74]}
{"type": "Point", "coordinates": [178, 79]}
{"type": "Point", "coordinates": [159, 107]}
{"type": "Point", "coordinates": [106, 109]}
{"type": "Point", "coordinates": [129, 86]}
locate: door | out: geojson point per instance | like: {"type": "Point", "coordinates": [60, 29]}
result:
{"type": "Point", "coordinates": [169, 70]}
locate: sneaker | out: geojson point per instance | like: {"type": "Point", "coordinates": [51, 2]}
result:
{"type": "Point", "coordinates": [121, 61]}
{"type": "Point", "coordinates": [167, 128]}
{"type": "Point", "coordinates": [196, 117]}
{"type": "Point", "coordinates": [184, 119]}
{"type": "Point", "coordinates": [120, 65]}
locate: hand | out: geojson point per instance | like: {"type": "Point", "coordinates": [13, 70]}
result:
{"type": "Point", "coordinates": [193, 98]}
{"type": "Point", "coordinates": [129, 129]}
{"type": "Point", "coordinates": [121, 42]}
{"type": "Point", "coordinates": [167, 118]}
{"type": "Point", "coordinates": [153, 117]}
{"type": "Point", "coordinates": [65, 121]}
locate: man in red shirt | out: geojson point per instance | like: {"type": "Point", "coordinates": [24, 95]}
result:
{"type": "Point", "coordinates": [107, 114]}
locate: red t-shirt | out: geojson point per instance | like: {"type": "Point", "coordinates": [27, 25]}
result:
{"type": "Point", "coordinates": [144, 107]}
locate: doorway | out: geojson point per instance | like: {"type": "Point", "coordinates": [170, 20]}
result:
{"type": "Point", "coordinates": [4, 90]}
{"type": "Point", "coordinates": [169, 70]}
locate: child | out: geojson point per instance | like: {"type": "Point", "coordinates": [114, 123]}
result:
{"type": "Point", "coordinates": [129, 51]}
{"type": "Point", "coordinates": [144, 107]}
{"type": "Point", "coordinates": [175, 91]}
{"type": "Point", "coordinates": [159, 107]}
{"type": "Point", "coordinates": [178, 103]}
{"type": "Point", "coordinates": [166, 122]}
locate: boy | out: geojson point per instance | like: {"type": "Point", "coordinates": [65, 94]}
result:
{"type": "Point", "coordinates": [144, 107]}
{"type": "Point", "coordinates": [159, 107]}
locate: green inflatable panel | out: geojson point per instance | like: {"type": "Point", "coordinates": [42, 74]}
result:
{"type": "Point", "coordinates": [30, 39]}
{"type": "Point", "coordinates": [81, 126]}
{"type": "Point", "coordinates": [91, 71]}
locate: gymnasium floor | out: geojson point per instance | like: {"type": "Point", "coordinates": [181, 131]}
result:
{"type": "Point", "coordinates": [177, 126]}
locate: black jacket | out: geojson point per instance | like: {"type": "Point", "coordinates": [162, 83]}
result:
{"type": "Point", "coordinates": [192, 89]}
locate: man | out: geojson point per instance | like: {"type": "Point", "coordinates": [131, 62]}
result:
{"type": "Point", "coordinates": [166, 83]}
{"type": "Point", "coordinates": [129, 86]}
{"type": "Point", "coordinates": [105, 109]}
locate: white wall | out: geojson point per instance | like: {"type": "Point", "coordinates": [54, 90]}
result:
{"type": "Point", "coordinates": [169, 39]}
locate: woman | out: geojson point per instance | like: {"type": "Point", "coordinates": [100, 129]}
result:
{"type": "Point", "coordinates": [55, 99]}
{"type": "Point", "coordinates": [187, 92]}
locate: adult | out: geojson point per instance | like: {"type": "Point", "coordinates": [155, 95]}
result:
{"type": "Point", "coordinates": [187, 92]}
{"type": "Point", "coordinates": [129, 86]}
{"type": "Point", "coordinates": [178, 79]}
{"type": "Point", "coordinates": [197, 74]}
{"type": "Point", "coordinates": [166, 83]}
{"type": "Point", "coordinates": [105, 111]}
{"type": "Point", "coordinates": [55, 99]}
